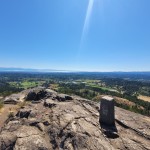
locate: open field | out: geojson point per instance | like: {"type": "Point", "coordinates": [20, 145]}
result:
{"type": "Point", "coordinates": [27, 84]}
{"type": "Point", "coordinates": [95, 83]}
{"type": "Point", "coordinates": [144, 98]}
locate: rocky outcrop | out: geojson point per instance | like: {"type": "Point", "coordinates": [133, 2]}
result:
{"type": "Point", "coordinates": [36, 94]}
{"type": "Point", "coordinates": [14, 98]}
{"type": "Point", "coordinates": [49, 103]}
{"type": "Point", "coordinates": [63, 97]}
{"type": "Point", "coordinates": [73, 124]}
{"type": "Point", "coordinates": [30, 94]}
{"type": "Point", "coordinates": [23, 113]}
{"type": "Point", "coordinates": [26, 137]}
{"type": "Point", "coordinates": [30, 138]}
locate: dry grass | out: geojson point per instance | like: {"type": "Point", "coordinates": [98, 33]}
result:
{"type": "Point", "coordinates": [124, 101]}
{"type": "Point", "coordinates": [8, 110]}
{"type": "Point", "coordinates": [144, 98]}
{"type": "Point", "coordinates": [1, 104]}
{"type": "Point", "coordinates": [11, 114]}
{"type": "Point", "coordinates": [117, 99]}
{"type": "Point", "coordinates": [1, 110]}
{"type": "Point", "coordinates": [21, 104]}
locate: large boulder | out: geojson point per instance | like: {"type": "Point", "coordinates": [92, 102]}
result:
{"type": "Point", "coordinates": [30, 138]}
{"type": "Point", "coordinates": [11, 100]}
{"type": "Point", "coordinates": [51, 92]}
{"type": "Point", "coordinates": [63, 97]}
{"type": "Point", "coordinates": [36, 94]}
{"type": "Point", "coordinates": [14, 99]}
{"type": "Point", "coordinates": [23, 113]}
{"type": "Point", "coordinates": [49, 103]}
{"type": "Point", "coordinates": [25, 138]}
{"type": "Point", "coordinates": [7, 141]}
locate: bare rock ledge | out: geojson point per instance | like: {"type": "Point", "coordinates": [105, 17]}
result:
{"type": "Point", "coordinates": [61, 122]}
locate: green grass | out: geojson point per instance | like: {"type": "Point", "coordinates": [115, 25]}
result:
{"type": "Point", "coordinates": [26, 84]}
{"type": "Point", "coordinates": [97, 86]}
{"type": "Point", "coordinates": [94, 83]}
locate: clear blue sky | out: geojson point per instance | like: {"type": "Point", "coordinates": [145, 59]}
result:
{"type": "Point", "coordinates": [94, 35]}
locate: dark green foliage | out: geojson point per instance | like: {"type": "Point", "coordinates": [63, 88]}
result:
{"type": "Point", "coordinates": [125, 85]}
{"type": "Point", "coordinates": [90, 92]}
{"type": "Point", "coordinates": [1, 104]}
{"type": "Point", "coordinates": [128, 86]}
{"type": "Point", "coordinates": [6, 89]}
{"type": "Point", "coordinates": [135, 109]}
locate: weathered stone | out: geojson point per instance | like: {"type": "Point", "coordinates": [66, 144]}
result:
{"type": "Point", "coordinates": [33, 113]}
{"type": "Point", "coordinates": [36, 94]}
{"type": "Point", "coordinates": [30, 138]}
{"type": "Point", "coordinates": [23, 113]}
{"type": "Point", "coordinates": [10, 100]}
{"type": "Point", "coordinates": [73, 125]}
{"type": "Point", "coordinates": [33, 121]}
{"type": "Point", "coordinates": [41, 127]}
{"type": "Point", "coordinates": [7, 141]}
{"type": "Point", "coordinates": [14, 98]}
{"type": "Point", "coordinates": [63, 97]}
{"type": "Point", "coordinates": [33, 142]}
{"type": "Point", "coordinates": [46, 123]}
{"type": "Point", "coordinates": [49, 103]}
{"type": "Point", "coordinates": [51, 92]}
{"type": "Point", "coordinates": [107, 112]}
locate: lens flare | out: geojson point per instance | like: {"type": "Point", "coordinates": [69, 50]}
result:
{"type": "Point", "coordinates": [87, 21]}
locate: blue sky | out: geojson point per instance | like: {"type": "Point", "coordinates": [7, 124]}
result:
{"type": "Point", "coordinates": [86, 35]}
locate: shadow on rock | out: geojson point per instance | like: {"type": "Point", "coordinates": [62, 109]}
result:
{"type": "Point", "coordinates": [110, 131]}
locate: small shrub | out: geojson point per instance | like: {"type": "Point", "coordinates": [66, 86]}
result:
{"type": "Point", "coordinates": [1, 104]}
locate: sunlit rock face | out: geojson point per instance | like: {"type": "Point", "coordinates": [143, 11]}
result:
{"type": "Point", "coordinates": [72, 123]}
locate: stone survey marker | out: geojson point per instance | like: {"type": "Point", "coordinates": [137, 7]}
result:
{"type": "Point", "coordinates": [107, 112]}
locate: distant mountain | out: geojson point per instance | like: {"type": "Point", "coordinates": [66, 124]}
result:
{"type": "Point", "coordinates": [106, 74]}
{"type": "Point", "coordinates": [2, 69]}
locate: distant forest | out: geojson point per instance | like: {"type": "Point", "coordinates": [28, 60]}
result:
{"type": "Point", "coordinates": [87, 85]}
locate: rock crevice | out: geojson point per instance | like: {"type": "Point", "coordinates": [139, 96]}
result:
{"type": "Point", "coordinates": [61, 122]}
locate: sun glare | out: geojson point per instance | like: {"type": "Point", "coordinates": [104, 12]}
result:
{"type": "Point", "coordinates": [86, 22]}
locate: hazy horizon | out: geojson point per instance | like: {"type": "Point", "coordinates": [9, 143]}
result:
{"type": "Point", "coordinates": [59, 70]}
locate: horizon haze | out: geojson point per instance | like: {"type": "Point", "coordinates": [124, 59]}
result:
{"type": "Point", "coordinates": [13, 69]}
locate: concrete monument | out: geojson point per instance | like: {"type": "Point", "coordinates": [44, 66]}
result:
{"type": "Point", "coordinates": [107, 111]}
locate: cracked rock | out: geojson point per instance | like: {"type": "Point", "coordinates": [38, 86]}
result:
{"type": "Point", "coordinates": [65, 124]}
